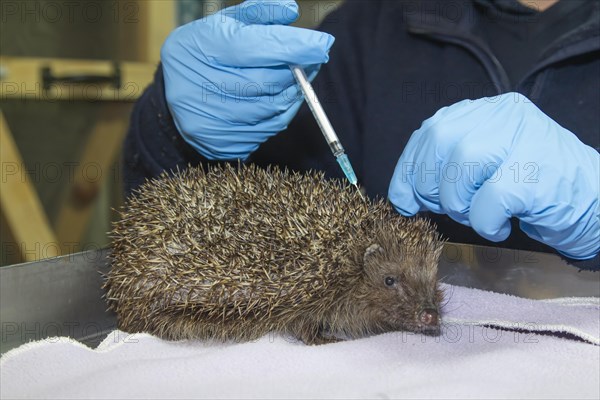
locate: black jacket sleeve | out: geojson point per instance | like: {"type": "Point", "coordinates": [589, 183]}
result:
{"type": "Point", "coordinates": [153, 143]}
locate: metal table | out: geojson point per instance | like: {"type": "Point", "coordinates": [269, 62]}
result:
{"type": "Point", "coordinates": [63, 297]}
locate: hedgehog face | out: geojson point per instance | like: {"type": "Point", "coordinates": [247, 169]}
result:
{"type": "Point", "coordinates": [401, 288]}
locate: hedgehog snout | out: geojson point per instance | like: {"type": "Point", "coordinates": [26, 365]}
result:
{"type": "Point", "coordinates": [428, 317]}
{"type": "Point", "coordinates": [429, 321]}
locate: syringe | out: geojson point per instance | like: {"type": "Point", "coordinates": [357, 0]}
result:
{"type": "Point", "coordinates": [330, 136]}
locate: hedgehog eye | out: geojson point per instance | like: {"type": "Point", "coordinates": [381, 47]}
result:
{"type": "Point", "coordinates": [389, 281]}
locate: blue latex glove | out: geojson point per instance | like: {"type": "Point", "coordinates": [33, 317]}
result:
{"type": "Point", "coordinates": [484, 161]}
{"type": "Point", "coordinates": [227, 80]}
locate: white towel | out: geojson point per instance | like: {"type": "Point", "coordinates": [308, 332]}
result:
{"type": "Point", "coordinates": [575, 316]}
{"type": "Point", "coordinates": [470, 360]}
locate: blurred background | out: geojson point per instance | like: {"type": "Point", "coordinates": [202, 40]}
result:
{"type": "Point", "coordinates": [70, 73]}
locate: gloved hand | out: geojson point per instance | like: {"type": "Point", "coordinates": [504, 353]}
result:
{"type": "Point", "coordinates": [484, 161]}
{"type": "Point", "coordinates": [227, 80]}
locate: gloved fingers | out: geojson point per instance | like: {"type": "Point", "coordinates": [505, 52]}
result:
{"type": "Point", "coordinates": [269, 45]}
{"type": "Point", "coordinates": [252, 82]}
{"type": "Point", "coordinates": [401, 192]}
{"type": "Point", "coordinates": [477, 158]}
{"type": "Point", "coordinates": [565, 213]}
{"type": "Point", "coordinates": [264, 12]}
{"type": "Point", "coordinates": [579, 242]}
{"type": "Point", "coordinates": [223, 147]}
{"type": "Point", "coordinates": [415, 185]}
{"type": "Point", "coordinates": [219, 39]}
{"type": "Point", "coordinates": [473, 139]}
{"type": "Point", "coordinates": [495, 202]}
{"type": "Point", "coordinates": [249, 108]}
{"type": "Point", "coordinates": [420, 170]}
{"type": "Point", "coordinates": [238, 141]}
{"type": "Point", "coordinates": [265, 118]}
{"type": "Point", "coordinates": [246, 83]}
{"type": "Point", "coordinates": [263, 129]}
{"type": "Point", "coordinates": [275, 123]}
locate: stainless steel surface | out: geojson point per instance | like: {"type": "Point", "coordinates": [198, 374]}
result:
{"type": "Point", "coordinates": [60, 296]}
{"type": "Point", "coordinates": [63, 296]}
{"type": "Point", "coordinates": [521, 273]}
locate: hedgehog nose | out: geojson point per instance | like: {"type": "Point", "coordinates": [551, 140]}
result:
{"type": "Point", "coordinates": [429, 317]}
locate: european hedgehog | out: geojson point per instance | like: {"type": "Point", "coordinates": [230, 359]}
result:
{"type": "Point", "coordinates": [232, 253]}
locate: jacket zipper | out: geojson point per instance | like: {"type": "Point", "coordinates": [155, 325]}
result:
{"type": "Point", "coordinates": [490, 62]}
{"type": "Point", "coordinates": [561, 56]}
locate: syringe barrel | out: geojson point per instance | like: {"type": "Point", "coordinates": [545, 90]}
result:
{"type": "Point", "coordinates": [315, 105]}
{"type": "Point", "coordinates": [323, 122]}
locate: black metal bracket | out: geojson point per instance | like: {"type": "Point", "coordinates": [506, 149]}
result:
{"type": "Point", "coordinates": [114, 80]}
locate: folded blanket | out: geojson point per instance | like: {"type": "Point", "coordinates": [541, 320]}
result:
{"type": "Point", "coordinates": [492, 346]}
{"type": "Point", "coordinates": [578, 317]}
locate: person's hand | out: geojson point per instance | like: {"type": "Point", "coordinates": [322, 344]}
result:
{"type": "Point", "coordinates": [227, 80]}
{"type": "Point", "coordinates": [484, 161]}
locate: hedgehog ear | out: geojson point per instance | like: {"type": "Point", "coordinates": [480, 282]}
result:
{"type": "Point", "coordinates": [372, 251]}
